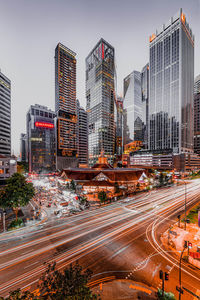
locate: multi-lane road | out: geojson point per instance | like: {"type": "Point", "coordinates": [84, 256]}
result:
{"type": "Point", "coordinates": [121, 240]}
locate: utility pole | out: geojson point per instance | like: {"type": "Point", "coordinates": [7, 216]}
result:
{"type": "Point", "coordinates": [179, 288]}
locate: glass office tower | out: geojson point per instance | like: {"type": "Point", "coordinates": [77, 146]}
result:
{"type": "Point", "coordinates": [145, 103]}
{"type": "Point", "coordinates": [82, 133]}
{"type": "Point", "coordinates": [100, 70]}
{"type": "Point", "coordinates": [5, 115]}
{"type": "Point", "coordinates": [132, 109]}
{"type": "Point", "coordinates": [65, 107]}
{"type": "Point", "coordinates": [119, 125]}
{"type": "Point", "coordinates": [171, 51]}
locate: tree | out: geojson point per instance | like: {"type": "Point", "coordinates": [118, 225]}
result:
{"type": "Point", "coordinates": [22, 167]}
{"type": "Point", "coordinates": [117, 189]}
{"type": "Point", "coordinates": [71, 284]}
{"type": "Point", "coordinates": [19, 295]}
{"type": "Point", "coordinates": [161, 179]}
{"type": "Point", "coordinates": [73, 185]}
{"type": "Point", "coordinates": [102, 196]}
{"type": "Point", "coordinates": [18, 192]}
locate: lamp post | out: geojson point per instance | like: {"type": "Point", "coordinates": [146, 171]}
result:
{"type": "Point", "coordinates": [180, 289]}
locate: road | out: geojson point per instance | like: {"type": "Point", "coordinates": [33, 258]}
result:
{"type": "Point", "coordinates": [121, 240]}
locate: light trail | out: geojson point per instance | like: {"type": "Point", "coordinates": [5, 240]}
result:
{"type": "Point", "coordinates": [116, 223]}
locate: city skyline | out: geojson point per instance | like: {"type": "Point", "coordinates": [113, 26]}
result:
{"type": "Point", "coordinates": [32, 29]}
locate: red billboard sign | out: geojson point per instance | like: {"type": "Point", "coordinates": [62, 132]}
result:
{"type": "Point", "coordinates": [44, 125]}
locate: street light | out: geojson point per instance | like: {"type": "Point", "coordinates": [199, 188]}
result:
{"type": "Point", "coordinates": [179, 288]}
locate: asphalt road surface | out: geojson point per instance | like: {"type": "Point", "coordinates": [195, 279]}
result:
{"type": "Point", "coordinates": [120, 240]}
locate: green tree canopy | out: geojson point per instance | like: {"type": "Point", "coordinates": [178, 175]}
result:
{"type": "Point", "coordinates": [18, 192]}
{"type": "Point", "coordinates": [73, 185]}
{"type": "Point", "coordinates": [70, 284]}
{"type": "Point", "coordinates": [102, 196]}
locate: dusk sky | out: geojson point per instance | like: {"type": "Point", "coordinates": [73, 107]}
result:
{"type": "Point", "coordinates": [31, 29]}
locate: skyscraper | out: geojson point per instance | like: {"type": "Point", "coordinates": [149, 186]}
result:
{"type": "Point", "coordinates": [5, 115]}
{"type": "Point", "coordinates": [23, 147]}
{"type": "Point", "coordinates": [145, 103]}
{"type": "Point", "coordinates": [119, 124]}
{"type": "Point", "coordinates": [100, 73]}
{"type": "Point", "coordinates": [171, 66]}
{"type": "Point", "coordinates": [82, 132]}
{"type": "Point", "coordinates": [197, 123]}
{"type": "Point", "coordinates": [65, 106]}
{"type": "Point", "coordinates": [197, 115]}
{"type": "Point", "coordinates": [197, 85]}
{"type": "Point", "coordinates": [41, 139]}
{"type": "Point", "coordinates": [132, 109]}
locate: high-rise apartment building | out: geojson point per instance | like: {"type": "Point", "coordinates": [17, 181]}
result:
{"type": "Point", "coordinates": [132, 109]}
{"type": "Point", "coordinates": [5, 115]}
{"type": "Point", "coordinates": [82, 133]}
{"type": "Point", "coordinates": [171, 67]}
{"type": "Point", "coordinates": [65, 107]}
{"type": "Point", "coordinates": [100, 74]}
{"type": "Point", "coordinates": [41, 139]}
{"type": "Point", "coordinates": [197, 85]}
{"type": "Point", "coordinates": [145, 103]}
{"type": "Point", "coordinates": [23, 147]}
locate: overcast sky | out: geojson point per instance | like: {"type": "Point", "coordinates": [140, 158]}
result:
{"type": "Point", "coordinates": [31, 29]}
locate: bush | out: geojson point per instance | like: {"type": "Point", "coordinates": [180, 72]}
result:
{"type": "Point", "coordinates": [167, 296]}
{"type": "Point", "coordinates": [16, 224]}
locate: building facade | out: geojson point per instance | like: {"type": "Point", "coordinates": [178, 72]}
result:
{"type": "Point", "coordinates": [5, 115]}
{"type": "Point", "coordinates": [133, 122]}
{"type": "Point", "coordinates": [184, 162]}
{"type": "Point", "coordinates": [8, 166]}
{"type": "Point", "coordinates": [65, 107]}
{"type": "Point", "coordinates": [23, 147]}
{"type": "Point", "coordinates": [171, 66]}
{"type": "Point", "coordinates": [197, 123]}
{"type": "Point", "coordinates": [41, 139]}
{"type": "Point", "coordinates": [119, 125]}
{"type": "Point", "coordinates": [100, 74]}
{"type": "Point", "coordinates": [197, 85]}
{"type": "Point", "coordinates": [145, 103]}
{"type": "Point", "coordinates": [82, 133]}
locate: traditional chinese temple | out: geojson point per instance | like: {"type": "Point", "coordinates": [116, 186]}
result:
{"type": "Point", "coordinates": [102, 176]}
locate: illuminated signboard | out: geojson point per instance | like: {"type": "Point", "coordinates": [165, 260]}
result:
{"type": "Point", "coordinates": [44, 125]}
{"type": "Point", "coordinates": [36, 139]}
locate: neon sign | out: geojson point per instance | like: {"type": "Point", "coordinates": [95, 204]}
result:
{"type": "Point", "coordinates": [44, 125]}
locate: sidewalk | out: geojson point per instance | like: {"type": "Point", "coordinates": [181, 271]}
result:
{"type": "Point", "coordinates": [173, 239]}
